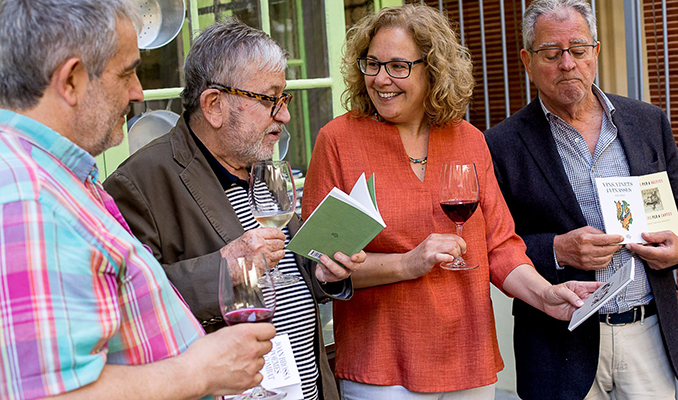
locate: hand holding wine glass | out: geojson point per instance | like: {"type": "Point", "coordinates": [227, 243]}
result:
{"type": "Point", "coordinates": [273, 198]}
{"type": "Point", "coordinates": [244, 299]}
{"type": "Point", "coordinates": [459, 196]}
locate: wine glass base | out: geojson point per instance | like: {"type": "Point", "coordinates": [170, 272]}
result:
{"type": "Point", "coordinates": [279, 280]}
{"type": "Point", "coordinates": [457, 267]}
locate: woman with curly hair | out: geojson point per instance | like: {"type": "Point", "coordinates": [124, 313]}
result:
{"type": "Point", "coordinates": [414, 330]}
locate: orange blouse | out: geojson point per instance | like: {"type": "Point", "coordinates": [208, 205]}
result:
{"type": "Point", "coordinates": [435, 333]}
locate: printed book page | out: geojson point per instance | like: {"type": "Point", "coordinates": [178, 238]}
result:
{"type": "Point", "coordinates": [622, 207]}
{"type": "Point", "coordinates": [636, 204]}
{"type": "Point", "coordinates": [280, 370]}
{"type": "Point", "coordinates": [660, 205]}
{"type": "Point", "coordinates": [597, 299]}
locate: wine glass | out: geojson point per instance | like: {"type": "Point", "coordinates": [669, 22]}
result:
{"type": "Point", "coordinates": [243, 299]}
{"type": "Point", "coordinates": [459, 196]}
{"type": "Point", "coordinates": [273, 198]}
{"type": "Point", "coordinates": [283, 143]}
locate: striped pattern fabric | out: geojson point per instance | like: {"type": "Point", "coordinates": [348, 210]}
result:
{"type": "Point", "coordinates": [77, 291]}
{"type": "Point", "coordinates": [582, 169]}
{"type": "Point", "coordinates": [295, 309]}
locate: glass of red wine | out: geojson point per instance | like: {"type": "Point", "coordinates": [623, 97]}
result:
{"type": "Point", "coordinates": [459, 196]}
{"type": "Point", "coordinates": [244, 299]}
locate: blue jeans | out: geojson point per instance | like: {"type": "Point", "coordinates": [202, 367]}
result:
{"type": "Point", "coordinates": [351, 390]}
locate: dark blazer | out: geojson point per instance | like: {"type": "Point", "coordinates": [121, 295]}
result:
{"type": "Point", "coordinates": [551, 362]}
{"type": "Point", "coordinates": [175, 204]}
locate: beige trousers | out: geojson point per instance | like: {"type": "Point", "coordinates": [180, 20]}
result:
{"type": "Point", "coordinates": [632, 364]}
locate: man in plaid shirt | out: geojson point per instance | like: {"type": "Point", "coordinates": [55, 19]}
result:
{"type": "Point", "coordinates": [85, 310]}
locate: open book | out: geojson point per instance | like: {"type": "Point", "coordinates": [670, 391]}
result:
{"type": "Point", "coordinates": [635, 204]}
{"type": "Point", "coordinates": [341, 222]}
{"type": "Point", "coordinates": [597, 299]}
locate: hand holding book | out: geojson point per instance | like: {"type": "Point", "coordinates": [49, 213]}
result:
{"type": "Point", "coordinates": [341, 222]}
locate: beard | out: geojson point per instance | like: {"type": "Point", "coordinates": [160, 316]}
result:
{"type": "Point", "coordinates": [247, 144]}
{"type": "Point", "coordinates": [95, 125]}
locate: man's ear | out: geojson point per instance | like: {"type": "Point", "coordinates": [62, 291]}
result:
{"type": "Point", "coordinates": [70, 81]}
{"type": "Point", "coordinates": [211, 106]}
{"type": "Point", "coordinates": [526, 57]}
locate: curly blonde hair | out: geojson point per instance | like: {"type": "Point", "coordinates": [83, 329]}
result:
{"type": "Point", "coordinates": [449, 67]}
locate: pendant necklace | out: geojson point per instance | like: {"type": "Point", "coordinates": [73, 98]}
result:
{"type": "Point", "coordinates": [421, 161]}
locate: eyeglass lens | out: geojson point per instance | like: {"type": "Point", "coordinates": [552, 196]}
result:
{"type": "Point", "coordinates": [396, 69]}
{"type": "Point", "coordinates": [284, 99]}
{"type": "Point", "coordinates": [581, 52]}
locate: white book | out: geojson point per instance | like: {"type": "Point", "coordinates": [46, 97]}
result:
{"type": "Point", "coordinates": [636, 204]}
{"type": "Point", "coordinates": [597, 299]}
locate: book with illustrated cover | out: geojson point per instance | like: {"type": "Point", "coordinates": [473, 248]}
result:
{"type": "Point", "coordinates": [636, 204]}
{"type": "Point", "coordinates": [597, 299]}
{"type": "Point", "coordinates": [341, 222]}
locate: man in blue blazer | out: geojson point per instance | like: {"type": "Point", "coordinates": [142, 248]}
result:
{"type": "Point", "coordinates": [547, 157]}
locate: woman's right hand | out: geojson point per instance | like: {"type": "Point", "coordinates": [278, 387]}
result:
{"type": "Point", "coordinates": [436, 248]}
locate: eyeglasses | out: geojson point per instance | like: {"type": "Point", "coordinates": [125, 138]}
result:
{"type": "Point", "coordinates": [395, 69]}
{"type": "Point", "coordinates": [554, 54]}
{"type": "Point", "coordinates": [278, 101]}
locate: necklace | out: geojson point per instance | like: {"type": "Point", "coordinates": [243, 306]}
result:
{"type": "Point", "coordinates": [421, 161]}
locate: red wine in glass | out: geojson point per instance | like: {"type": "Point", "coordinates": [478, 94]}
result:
{"type": "Point", "coordinates": [248, 315]}
{"type": "Point", "coordinates": [244, 298]}
{"type": "Point", "coordinates": [459, 197]}
{"type": "Point", "coordinates": [459, 211]}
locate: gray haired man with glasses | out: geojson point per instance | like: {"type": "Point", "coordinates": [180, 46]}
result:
{"type": "Point", "coordinates": [184, 194]}
{"type": "Point", "coordinates": [547, 157]}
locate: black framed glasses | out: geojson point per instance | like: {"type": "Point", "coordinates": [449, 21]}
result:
{"type": "Point", "coordinates": [554, 54]}
{"type": "Point", "coordinates": [278, 101]}
{"type": "Point", "coordinates": [395, 69]}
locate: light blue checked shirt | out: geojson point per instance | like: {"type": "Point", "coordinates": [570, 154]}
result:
{"type": "Point", "coordinates": [582, 169]}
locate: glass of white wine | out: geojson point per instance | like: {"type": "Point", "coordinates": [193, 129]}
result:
{"type": "Point", "coordinates": [273, 199]}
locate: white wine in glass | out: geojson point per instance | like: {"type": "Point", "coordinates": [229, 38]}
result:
{"type": "Point", "coordinates": [273, 198]}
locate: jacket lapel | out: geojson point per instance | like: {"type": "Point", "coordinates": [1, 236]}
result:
{"type": "Point", "coordinates": [638, 154]}
{"type": "Point", "coordinates": [208, 193]}
{"type": "Point", "coordinates": [539, 142]}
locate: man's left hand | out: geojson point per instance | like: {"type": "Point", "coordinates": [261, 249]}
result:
{"type": "Point", "coordinates": [330, 271]}
{"type": "Point", "coordinates": [661, 251]}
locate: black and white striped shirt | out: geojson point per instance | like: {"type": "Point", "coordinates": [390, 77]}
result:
{"type": "Point", "coordinates": [295, 312]}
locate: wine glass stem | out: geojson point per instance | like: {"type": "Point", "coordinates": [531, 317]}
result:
{"type": "Point", "coordinates": [459, 226]}
{"type": "Point", "coordinates": [275, 271]}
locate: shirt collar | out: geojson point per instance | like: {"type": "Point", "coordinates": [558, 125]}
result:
{"type": "Point", "coordinates": [226, 178]}
{"type": "Point", "coordinates": [608, 107]}
{"type": "Point", "coordinates": [80, 162]}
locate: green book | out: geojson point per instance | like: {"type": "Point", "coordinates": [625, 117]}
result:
{"type": "Point", "coordinates": [341, 222]}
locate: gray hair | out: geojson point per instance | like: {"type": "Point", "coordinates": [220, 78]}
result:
{"type": "Point", "coordinates": [555, 7]}
{"type": "Point", "coordinates": [37, 36]}
{"type": "Point", "coordinates": [228, 53]}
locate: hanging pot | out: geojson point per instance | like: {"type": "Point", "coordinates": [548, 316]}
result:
{"type": "Point", "coordinates": [148, 126]}
{"type": "Point", "coordinates": [162, 19]}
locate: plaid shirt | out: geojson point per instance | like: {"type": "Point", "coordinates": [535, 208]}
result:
{"type": "Point", "coordinates": [608, 160]}
{"type": "Point", "coordinates": [77, 290]}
